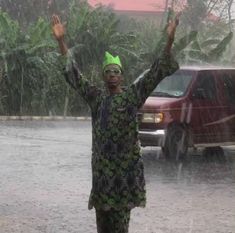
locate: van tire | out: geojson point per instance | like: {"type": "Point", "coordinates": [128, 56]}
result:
{"type": "Point", "coordinates": [214, 154]}
{"type": "Point", "coordinates": [176, 143]}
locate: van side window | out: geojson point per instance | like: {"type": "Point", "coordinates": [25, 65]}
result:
{"type": "Point", "coordinates": [229, 88]}
{"type": "Point", "coordinates": [205, 87]}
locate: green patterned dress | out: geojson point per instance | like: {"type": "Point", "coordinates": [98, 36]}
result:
{"type": "Point", "coordinates": [117, 166]}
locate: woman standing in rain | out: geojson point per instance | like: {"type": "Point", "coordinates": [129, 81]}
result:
{"type": "Point", "coordinates": [118, 183]}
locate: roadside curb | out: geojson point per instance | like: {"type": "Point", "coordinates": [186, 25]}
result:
{"type": "Point", "coordinates": [43, 118]}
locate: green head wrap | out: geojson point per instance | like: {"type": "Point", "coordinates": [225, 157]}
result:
{"type": "Point", "coordinates": [109, 59]}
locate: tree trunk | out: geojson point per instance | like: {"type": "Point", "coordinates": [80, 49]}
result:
{"type": "Point", "coordinates": [164, 13]}
{"type": "Point", "coordinates": [66, 102]}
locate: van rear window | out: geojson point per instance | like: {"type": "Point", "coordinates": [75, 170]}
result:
{"type": "Point", "coordinates": [174, 85]}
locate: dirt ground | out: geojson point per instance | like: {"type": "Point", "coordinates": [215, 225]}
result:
{"type": "Point", "coordinates": [45, 180]}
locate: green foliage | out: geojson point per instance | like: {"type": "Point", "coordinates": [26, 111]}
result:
{"type": "Point", "coordinates": [31, 81]}
{"type": "Point", "coordinates": [27, 11]}
{"type": "Point", "coordinates": [218, 51]}
{"type": "Point", "coordinates": [184, 41]}
{"type": "Point", "coordinates": [9, 31]}
{"type": "Point", "coordinates": [195, 14]}
{"type": "Point", "coordinates": [26, 57]}
{"type": "Point", "coordinates": [214, 35]}
{"type": "Point", "coordinates": [209, 51]}
{"type": "Point", "coordinates": [160, 39]}
{"type": "Point", "coordinates": [94, 31]}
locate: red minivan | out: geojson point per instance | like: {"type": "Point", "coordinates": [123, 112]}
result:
{"type": "Point", "coordinates": [194, 107]}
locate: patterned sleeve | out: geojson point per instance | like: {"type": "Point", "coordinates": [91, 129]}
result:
{"type": "Point", "coordinates": [75, 79]}
{"type": "Point", "coordinates": [164, 66]}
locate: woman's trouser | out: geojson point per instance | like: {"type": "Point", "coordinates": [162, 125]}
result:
{"type": "Point", "coordinates": [113, 221]}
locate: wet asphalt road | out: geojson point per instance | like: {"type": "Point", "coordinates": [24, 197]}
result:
{"type": "Point", "coordinates": [45, 180]}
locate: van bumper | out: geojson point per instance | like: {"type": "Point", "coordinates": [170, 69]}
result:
{"type": "Point", "coordinates": [152, 138]}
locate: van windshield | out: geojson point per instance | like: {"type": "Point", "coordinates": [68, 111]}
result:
{"type": "Point", "coordinates": [174, 85]}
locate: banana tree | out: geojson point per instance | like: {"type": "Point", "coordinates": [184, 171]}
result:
{"type": "Point", "coordinates": [9, 35]}
{"type": "Point", "coordinates": [93, 31]}
{"type": "Point", "coordinates": [156, 42]}
{"type": "Point", "coordinates": [209, 51]}
{"type": "Point", "coordinates": [27, 57]}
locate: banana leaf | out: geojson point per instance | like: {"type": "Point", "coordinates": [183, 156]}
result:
{"type": "Point", "coordinates": [209, 42]}
{"type": "Point", "coordinates": [185, 41]}
{"type": "Point", "coordinates": [221, 47]}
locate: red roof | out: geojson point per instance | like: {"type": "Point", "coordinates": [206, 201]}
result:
{"type": "Point", "coordinates": [134, 5]}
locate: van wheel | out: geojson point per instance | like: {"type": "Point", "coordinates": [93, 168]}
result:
{"type": "Point", "coordinates": [176, 143]}
{"type": "Point", "coordinates": [215, 154]}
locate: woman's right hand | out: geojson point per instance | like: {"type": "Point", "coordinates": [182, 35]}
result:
{"type": "Point", "coordinates": [58, 28]}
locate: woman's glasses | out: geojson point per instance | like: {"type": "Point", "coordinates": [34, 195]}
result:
{"type": "Point", "coordinates": [114, 71]}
